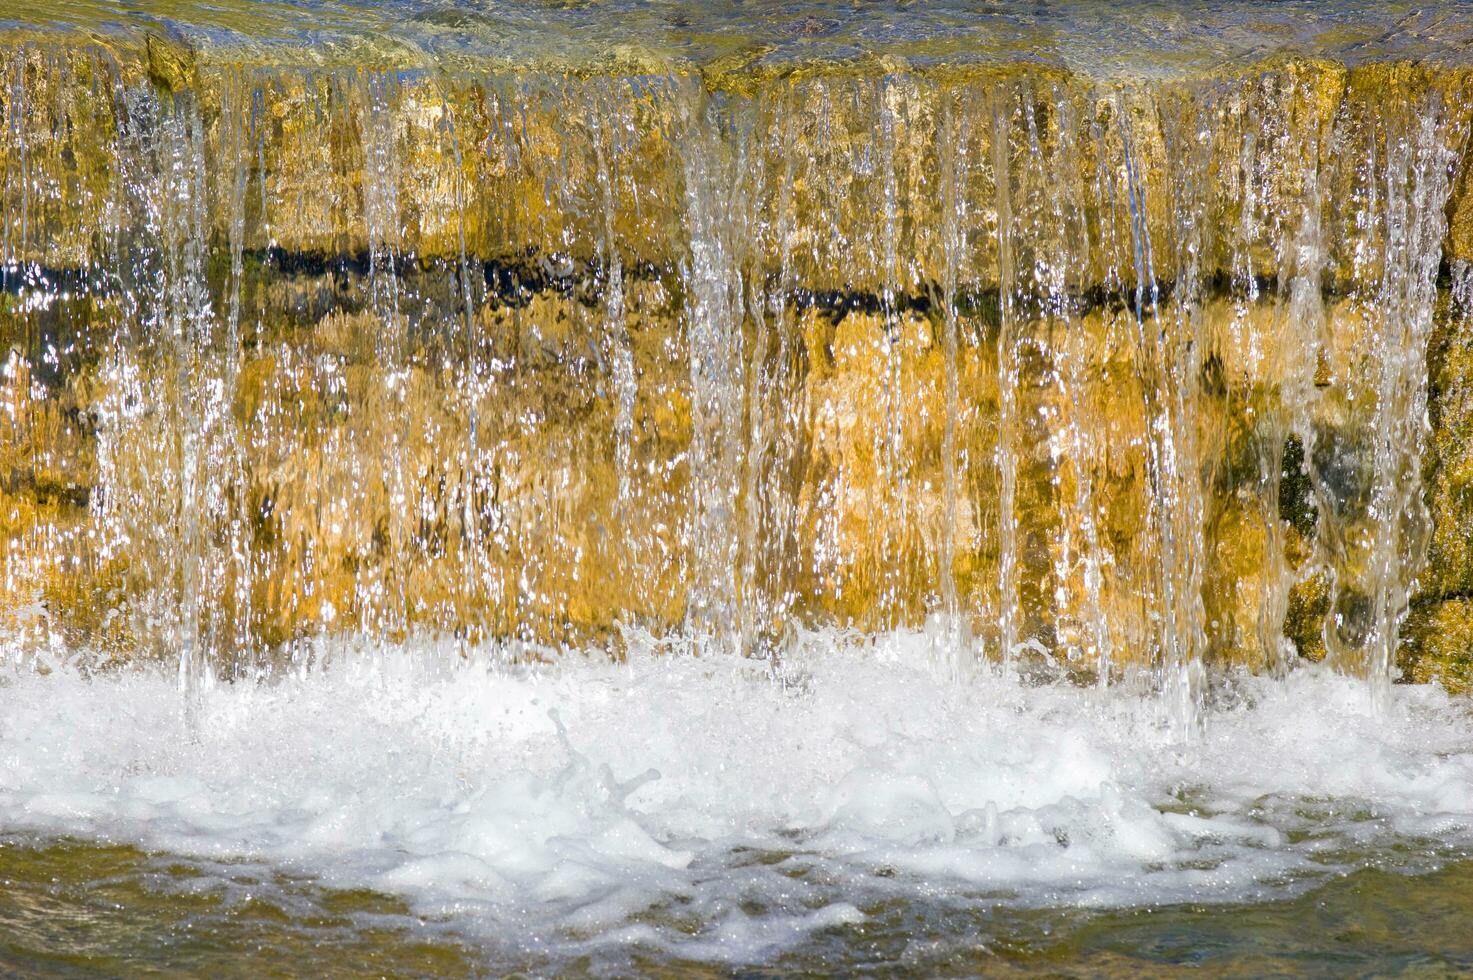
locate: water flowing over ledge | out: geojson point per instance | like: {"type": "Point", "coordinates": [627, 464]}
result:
{"type": "Point", "coordinates": [1139, 38]}
{"type": "Point", "coordinates": [1127, 373]}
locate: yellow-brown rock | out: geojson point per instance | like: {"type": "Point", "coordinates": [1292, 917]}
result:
{"type": "Point", "coordinates": [297, 354]}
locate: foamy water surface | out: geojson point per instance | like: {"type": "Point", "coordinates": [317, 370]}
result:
{"type": "Point", "coordinates": [715, 809]}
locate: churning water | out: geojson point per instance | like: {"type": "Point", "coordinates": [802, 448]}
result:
{"type": "Point", "coordinates": [714, 810]}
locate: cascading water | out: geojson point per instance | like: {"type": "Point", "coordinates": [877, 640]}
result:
{"type": "Point", "coordinates": [734, 366]}
{"type": "Point", "coordinates": [977, 379]}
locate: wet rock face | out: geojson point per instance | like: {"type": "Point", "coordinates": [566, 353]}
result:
{"type": "Point", "coordinates": [1113, 373]}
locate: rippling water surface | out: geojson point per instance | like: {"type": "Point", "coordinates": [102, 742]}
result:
{"type": "Point", "coordinates": [62, 902]}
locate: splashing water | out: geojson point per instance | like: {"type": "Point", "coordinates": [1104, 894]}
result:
{"type": "Point", "coordinates": [695, 807]}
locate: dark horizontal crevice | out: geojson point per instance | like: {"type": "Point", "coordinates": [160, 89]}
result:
{"type": "Point", "coordinates": [24, 482]}
{"type": "Point", "coordinates": [1421, 601]}
{"type": "Point", "coordinates": [16, 278]}
{"type": "Point", "coordinates": [512, 280]}
{"type": "Point", "coordinates": [516, 279]}
{"type": "Point", "coordinates": [839, 303]}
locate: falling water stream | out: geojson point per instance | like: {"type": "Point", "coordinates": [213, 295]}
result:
{"type": "Point", "coordinates": [628, 486]}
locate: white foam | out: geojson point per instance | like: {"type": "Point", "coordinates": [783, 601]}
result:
{"type": "Point", "coordinates": [701, 805]}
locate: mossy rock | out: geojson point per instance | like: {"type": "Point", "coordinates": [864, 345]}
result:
{"type": "Point", "coordinates": [1439, 645]}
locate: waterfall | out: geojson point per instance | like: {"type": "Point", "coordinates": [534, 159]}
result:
{"type": "Point", "coordinates": [682, 487]}
{"type": "Point", "coordinates": [1121, 380]}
